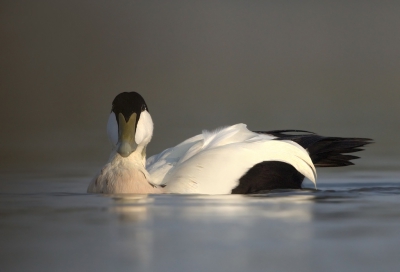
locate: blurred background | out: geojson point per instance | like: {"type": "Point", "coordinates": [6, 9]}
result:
{"type": "Point", "coordinates": [332, 67]}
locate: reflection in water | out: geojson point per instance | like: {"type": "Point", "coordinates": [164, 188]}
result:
{"type": "Point", "coordinates": [224, 207]}
{"type": "Point", "coordinates": [131, 207]}
{"type": "Point", "coordinates": [186, 230]}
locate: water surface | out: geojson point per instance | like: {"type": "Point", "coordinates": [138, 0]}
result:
{"type": "Point", "coordinates": [351, 223]}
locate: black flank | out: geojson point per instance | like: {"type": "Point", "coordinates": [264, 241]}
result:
{"type": "Point", "coordinates": [269, 175]}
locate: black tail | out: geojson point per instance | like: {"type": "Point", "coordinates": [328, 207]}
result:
{"type": "Point", "coordinates": [324, 151]}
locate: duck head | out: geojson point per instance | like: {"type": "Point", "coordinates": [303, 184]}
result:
{"type": "Point", "coordinates": [129, 126]}
{"type": "Point", "coordinates": [130, 129]}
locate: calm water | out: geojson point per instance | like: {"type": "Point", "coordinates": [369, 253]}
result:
{"type": "Point", "coordinates": [351, 223]}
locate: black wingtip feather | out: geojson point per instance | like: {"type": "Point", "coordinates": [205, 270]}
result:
{"type": "Point", "coordinates": [324, 151]}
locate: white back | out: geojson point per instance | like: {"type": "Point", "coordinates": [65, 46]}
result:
{"type": "Point", "coordinates": [218, 170]}
{"type": "Point", "coordinates": [213, 162]}
{"type": "Point", "coordinates": [159, 165]}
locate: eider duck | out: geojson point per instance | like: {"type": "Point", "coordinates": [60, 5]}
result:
{"type": "Point", "coordinates": [228, 160]}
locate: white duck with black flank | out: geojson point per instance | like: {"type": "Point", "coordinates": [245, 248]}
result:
{"type": "Point", "coordinates": [229, 160]}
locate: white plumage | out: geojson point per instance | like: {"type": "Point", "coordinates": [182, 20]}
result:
{"type": "Point", "coordinates": [213, 162]}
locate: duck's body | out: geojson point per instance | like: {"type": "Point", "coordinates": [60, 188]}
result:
{"type": "Point", "coordinates": [224, 161]}
{"type": "Point", "coordinates": [214, 162]}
